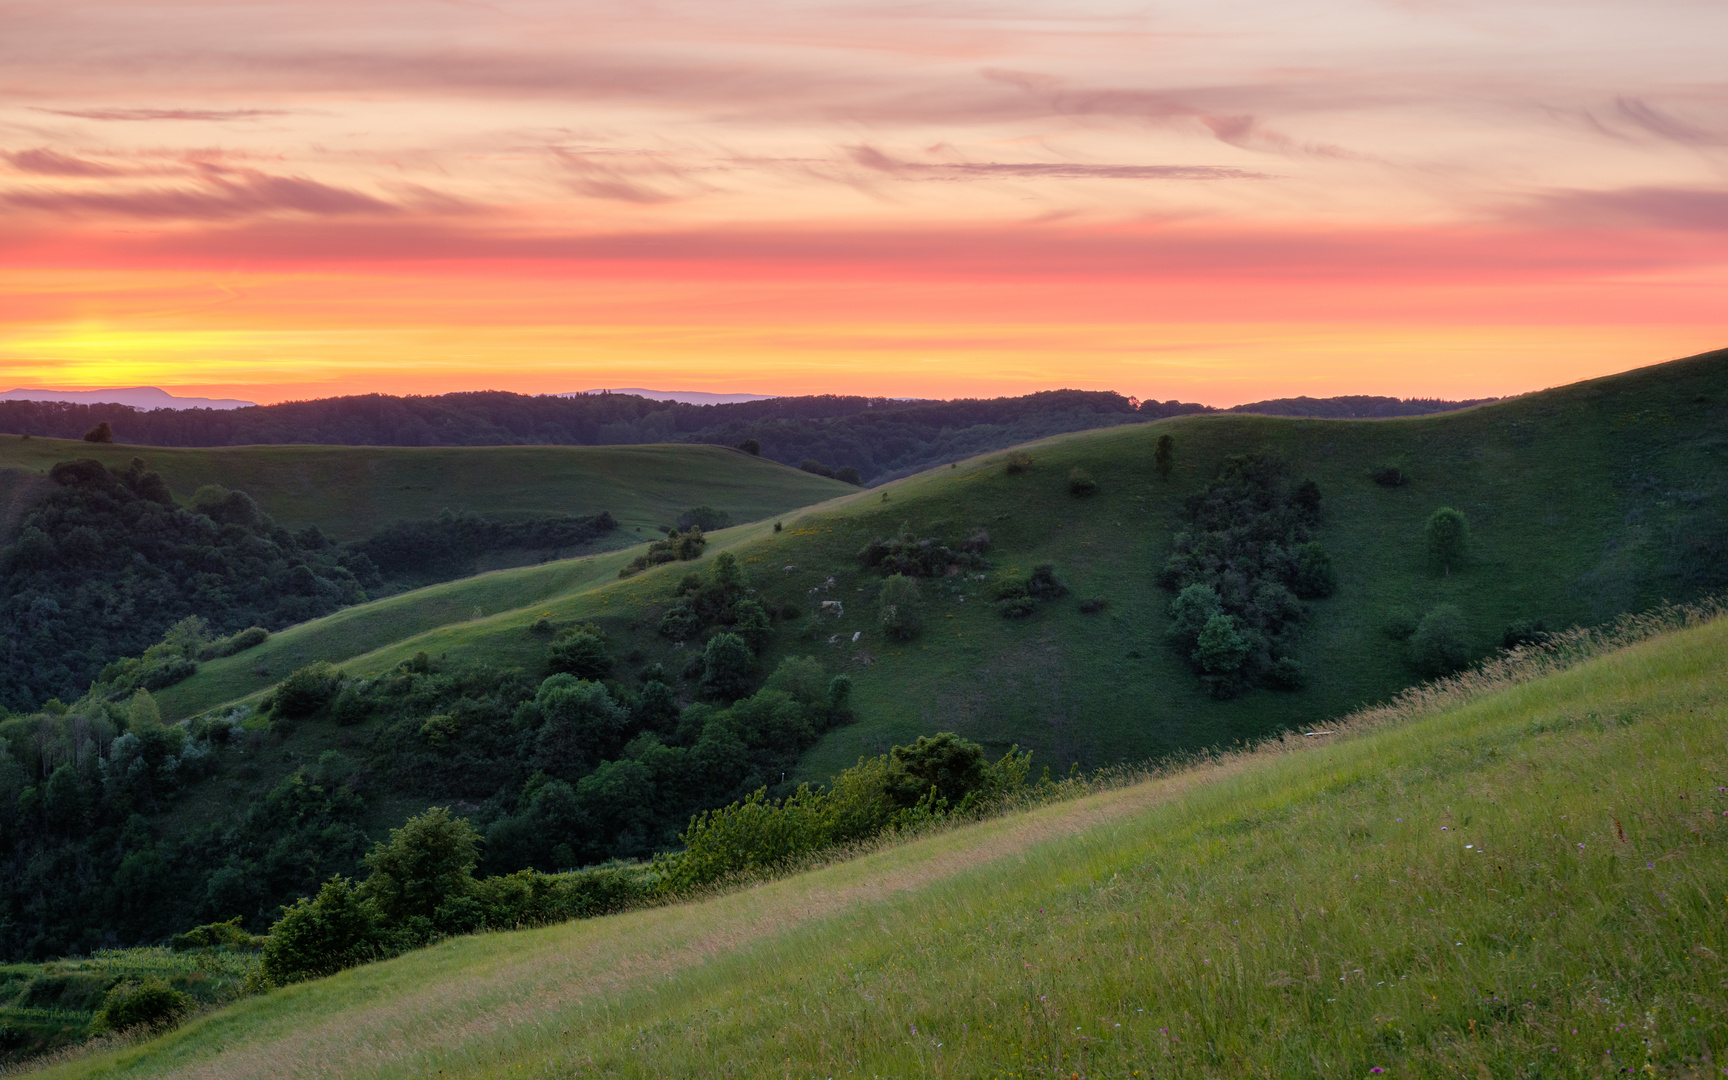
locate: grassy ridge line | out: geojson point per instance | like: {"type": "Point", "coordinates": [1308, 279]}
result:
{"type": "Point", "coordinates": [1587, 545]}
{"type": "Point", "coordinates": [351, 491]}
{"type": "Point", "coordinates": [1290, 914]}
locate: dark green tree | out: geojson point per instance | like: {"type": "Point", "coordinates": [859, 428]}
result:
{"type": "Point", "coordinates": [900, 607]}
{"type": "Point", "coordinates": [1164, 455]}
{"type": "Point", "coordinates": [321, 935]}
{"type": "Point", "coordinates": [1315, 576]}
{"type": "Point", "coordinates": [580, 652]}
{"type": "Point", "coordinates": [727, 664]}
{"type": "Point", "coordinates": [951, 765]}
{"type": "Point", "coordinates": [1448, 537]}
{"type": "Point", "coordinates": [1221, 648]}
{"type": "Point", "coordinates": [425, 863]}
{"type": "Point", "coordinates": [751, 622]}
{"type": "Point", "coordinates": [1441, 642]}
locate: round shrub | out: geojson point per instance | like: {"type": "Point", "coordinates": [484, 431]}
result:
{"type": "Point", "coordinates": [307, 689]}
{"type": "Point", "coordinates": [321, 936]}
{"type": "Point", "coordinates": [151, 1004]}
{"type": "Point", "coordinates": [1441, 643]}
{"type": "Point", "coordinates": [1448, 536]}
{"type": "Point", "coordinates": [1221, 649]}
{"type": "Point", "coordinates": [1315, 577]}
{"type": "Point", "coordinates": [1080, 483]}
{"type": "Point", "coordinates": [581, 653]}
{"type": "Point", "coordinates": [1018, 462]}
{"type": "Point", "coordinates": [727, 663]}
{"type": "Point", "coordinates": [900, 607]}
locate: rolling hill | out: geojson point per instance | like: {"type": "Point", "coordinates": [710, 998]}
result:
{"type": "Point", "coordinates": [351, 491]}
{"type": "Point", "coordinates": [1521, 880]}
{"type": "Point", "coordinates": [1585, 502]}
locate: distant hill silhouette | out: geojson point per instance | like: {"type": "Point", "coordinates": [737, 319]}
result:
{"type": "Point", "coordinates": [1354, 407]}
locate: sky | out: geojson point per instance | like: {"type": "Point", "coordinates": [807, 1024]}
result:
{"type": "Point", "coordinates": [1217, 202]}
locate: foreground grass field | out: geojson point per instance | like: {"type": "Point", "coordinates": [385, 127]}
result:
{"type": "Point", "coordinates": [351, 491]}
{"type": "Point", "coordinates": [1527, 882]}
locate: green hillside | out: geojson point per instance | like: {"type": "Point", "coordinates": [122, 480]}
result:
{"type": "Point", "coordinates": [351, 491]}
{"type": "Point", "coordinates": [1584, 502]}
{"type": "Point", "coordinates": [1523, 882]}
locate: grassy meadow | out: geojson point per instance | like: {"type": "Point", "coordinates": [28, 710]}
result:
{"type": "Point", "coordinates": [1513, 880]}
{"type": "Point", "coordinates": [1584, 502]}
{"type": "Point", "coordinates": [349, 492]}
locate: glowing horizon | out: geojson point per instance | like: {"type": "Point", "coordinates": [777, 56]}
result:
{"type": "Point", "coordinates": [1218, 203]}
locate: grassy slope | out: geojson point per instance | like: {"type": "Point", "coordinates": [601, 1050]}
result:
{"type": "Point", "coordinates": [351, 491]}
{"type": "Point", "coordinates": [1571, 494]}
{"type": "Point", "coordinates": [1527, 884]}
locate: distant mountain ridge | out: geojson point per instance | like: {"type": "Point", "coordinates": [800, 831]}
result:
{"type": "Point", "coordinates": [1355, 407]}
{"type": "Point", "coordinates": [684, 397]}
{"type": "Point", "coordinates": [136, 397]}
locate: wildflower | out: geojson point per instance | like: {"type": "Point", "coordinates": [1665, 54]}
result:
{"type": "Point", "coordinates": [1376, 1069]}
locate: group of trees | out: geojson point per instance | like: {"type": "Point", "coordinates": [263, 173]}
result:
{"type": "Point", "coordinates": [1241, 569]}
{"type": "Point", "coordinates": [107, 561]}
{"type": "Point", "coordinates": [421, 883]}
{"type": "Point", "coordinates": [860, 439]}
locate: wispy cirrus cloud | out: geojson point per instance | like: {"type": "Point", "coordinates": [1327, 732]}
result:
{"type": "Point", "coordinates": [163, 114]}
{"type": "Point", "coordinates": [218, 197]}
{"type": "Point", "coordinates": [1681, 208]}
{"type": "Point", "coordinates": [47, 162]}
{"type": "Point", "coordinates": [872, 158]}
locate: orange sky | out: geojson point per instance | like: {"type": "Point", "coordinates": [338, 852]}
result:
{"type": "Point", "coordinates": [1216, 202]}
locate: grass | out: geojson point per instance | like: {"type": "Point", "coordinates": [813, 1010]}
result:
{"type": "Point", "coordinates": [1514, 882]}
{"type": "Point", "coordinates": [351, 491]}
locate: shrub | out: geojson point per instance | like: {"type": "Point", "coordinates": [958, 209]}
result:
{"type": "Point", "coordinates": [751, 622]}
{"type": "Point", "coordinates": [173, 670]}
{"type": "Point", "coordinates": [1448, 537]}
{"type": "Point", "coordinates": [429, 860]}
{"type": "Point", "coordinates": [1080, 483]}
{"type": "Point", "coordinates": [811, 465]}
{"type": "Point", "coordinates": [307, 689]}
{"type": "Point", "coordinates": [1287, 673]}
{"type": "Point", "coordinates": [899, 608]}
{"type": "Point", "coordinates": [101, 433]}
{"type": "Point", "coordinates": [1221, 648]}
{"type": "Point", "coordinates": [706, 518]}
{"type": "Point", "coordinates": [1524, 632]}
{"type": "Point", "coordinates": [681, 621]}
{"type": "Point", "coordinates": [1440, 644]}
{"type": "Point", "coordinates": [1389, 476]}
{"type": "Point", "coordinates": [1044, 584]}
{"type": "Point", "coordinates": [215, 935]}
{"type": "Point", "coordinates": [952, 766]}
{"type": "Point", "coordinates": [751, 447]}
{"type": "Point", "coordinates": [1192, 609]}
{"type": "Point", "coordinates": [727, 663]}
{"type": "Point", "coordinates": [1315, 577]}
{"type": "Point", "coordinates": [1399, 625]}
{"type": "Point", "coordinates": [581, 652]}
{"type": "Point", "coordinates": [1016, 607]}
{"type": "Point", "coordinates": [249, 638]}
{"type": "Point", "coordinates": [321, 935]}
{"type": "Point", "coordinates": [849, 474]}
{"type": "Point", "coordinates": [151, 1005]}
{"type": "Point", "coordinates": [1164, 455]}
{"type": "Point", "coordinates": [778, 526]}
{"type": "Point", "coordinates": [1093, 606]}
{"type": "Point", "coordinates": [1018, 462]}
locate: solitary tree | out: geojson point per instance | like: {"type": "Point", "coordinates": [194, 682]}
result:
{"type": "Point", "coordinates": [1448, 536]}
{"type": "Point", "coordinates": [424, 863]}
{"type": "Point", "coordinates": [726, 666]}
{"type": "Point", "coordinates": [900, 608]}
{"type": "Point", "coordinates": [100, 433]}
{"type": "Point", "coordinates": [1164, 455]}
{"type": "Point", "coordinates": [751, 447]}
{"type": "Point", "coordinates": [1441, 643]}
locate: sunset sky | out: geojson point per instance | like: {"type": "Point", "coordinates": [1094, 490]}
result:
{"type": "Point", "coordinates": [1216, 202]}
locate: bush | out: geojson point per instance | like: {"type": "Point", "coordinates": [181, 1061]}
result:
{"type": "Point", "coordinates": [1287, 673]}
{"type": "Point", "coordinates": [751, 622]}
{"type": "Point", "coordinates": [706, 518]}
{"type": "Point", "coordinates": [952, 766]}
{"type": "Point", "coordinates": [751, 447]}
{"type": "Point", "coordinates": [1164, 456]}
{"type": "Point", "coordinates": [1016, 607]}
{"type": "Point", "coordinates": [426, 862]}
{"type": "Point", "coordinates": [175, 669]}
{"type": "Point", "coordinates": [727, 663]}
{"type": "Point", "coordinates": [322, 935]}
{"type": "Point", "coordinates": [101, 433]}
{"type": "Point", "coordinates": [1044, 584]}
{"type": "Point", "coordinates": [899, 608]}
{"type": "Point", "coordinates": [811, 465]}
{"type": "Point", "coordinates": [581, 652]}
{"type": "Point", "coordinates": [1440, 644]}
{"type": "Point", "coordinates": [849, 474]}
{"type": "Point", "coordinates": [215, 935]}
{"type": "Point", "coordinates": [1221, 648]}
{"type": "Point", "coordinates": [1315, 578]}
{"type": "Point", "coordinates": [307, 689]}
{"type": "Point", "coordinates": [1448, 537]}
{"type": "Point", "coordinates": [1389, 476]}
{"type": "Point", "coordinates": [1093, 606]}
{"type": "Point", "coordinates": [1080, 483]}
{"type": "Point", "coordinates": [152, 1005]}
{"type": "Point", "coordinates": [1524, 632]}
{"type": "Point", "coordinates": [1018, 462]}
{"type": "Point", "coordinates": [249, 638]}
